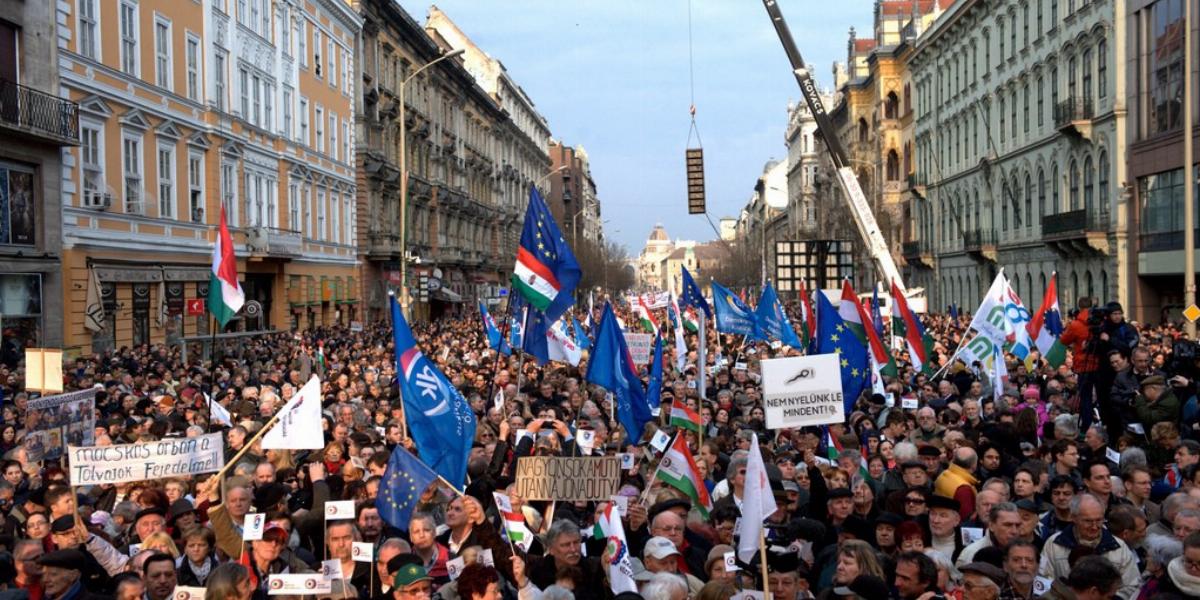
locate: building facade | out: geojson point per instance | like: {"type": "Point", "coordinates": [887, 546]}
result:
{"type": "Point", "coordinates": [1019, 139]}
{"type": "Point", "coordinates": [1154, 58]}
{"type": "Point", "coordinates": [36, 123]}
{"type": "Point", "coordinates": [572, 196]}
{"type": "Point", "coordinates": [650, 260]}
{"type": "Point", "coordinates": [189, 109]}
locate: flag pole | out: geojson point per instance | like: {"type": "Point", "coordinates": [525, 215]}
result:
{"type": "Point", "coordinates": [450, 485]}
{"type": "Point", "coordinates": [271, 423]}
{"type": "Point", "coordinates": [762, 559]}
{"type": "Point", "coordinates": [521, 357]}
{"type": "Point", "coordinates": [503, 339]}
{"type": "Point", "coordinates": [212, 385]}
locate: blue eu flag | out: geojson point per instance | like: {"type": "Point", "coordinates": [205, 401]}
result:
{"type": "Point", "coordinates": [403, 483]}
{"type": "Point", "coordinates": [834, 337]}
{"type": "Point", "coordinates": [581, 336]}
{"type": "Point", "coordinates": [546, 271]}
{"type": "Point", "coordinates": [611, 367]}
{"type": "Point", "coordinates": [439, 419]}
{"type": "Point", "coordinates": [654, 387]}
{"type": "Point", "coordinates": [733, 316]}
{"type": "Point", "coordinates": [692, 296]}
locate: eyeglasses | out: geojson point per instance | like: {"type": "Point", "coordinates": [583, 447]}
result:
{"type": "Point", "coordinates": [914, 501]}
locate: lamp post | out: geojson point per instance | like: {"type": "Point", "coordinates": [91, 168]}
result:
{"type": "Point", "coordinates": [404, 297]}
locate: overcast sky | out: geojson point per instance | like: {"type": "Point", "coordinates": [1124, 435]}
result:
{"type": "Point", "coordinates": [612, 76]}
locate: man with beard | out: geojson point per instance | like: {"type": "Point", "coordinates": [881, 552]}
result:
{"type": "Point", "coordinates": [1021, 564]}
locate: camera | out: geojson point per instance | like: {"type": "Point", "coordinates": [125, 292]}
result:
{"type": "Point", "coordinates": [1095, 321]}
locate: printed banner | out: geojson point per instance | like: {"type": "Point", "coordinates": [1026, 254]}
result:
{"type": "Point", "coordinates": [639, 346]}
{"type": "Point", "coordinates": [802, 390]}
{"type": "Point", "coordinates": [298, 584]}
{"type": "Point", "coordinates": [91, 465]}
{"type": "Point", "coordinates": [54, 422]}
{"type": "Point", "coordinates": [586, 478]}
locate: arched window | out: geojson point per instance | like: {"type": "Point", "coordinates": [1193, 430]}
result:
{"type": "Point", "coordinates": [1031, 295]}
{"type": "Point", "coordinates": [1041, 179]}
{"type": "Point", "coordinates": [978, 222]}
{"type": "Point", "coordinates": [1028, 215]}
{"type": "Point", "coordinates": [1074, 299]}
{"type": "Point", "coordinates": [1054, 185]}
{"type": "Point", "coordinates": [1104, 284]}
{"type": "Point", "coordinates": [1091, 291]}
{"type": "Point", "coordinates": [1089, 188]}
{"type": "Point", "coordinates": [891, 106]}
{"type": "Point", "coordinates": [863, 130]}
{"type": "Point", "coordinates": [1073, 194]}
{"type": "Point", "coordinates": [1102, 191]}
{"type": "Point", "coordinates": [1004, 206]}
{"type": "Point", "coordinates": [907, 99]}
{"type": "Point", "coordinates": [893, 166]}
{"type": "Point", "coordinates": [1042, 282]}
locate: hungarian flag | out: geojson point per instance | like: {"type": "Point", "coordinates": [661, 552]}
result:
{"type": "Point", "coordinates": [678, 469]}
{"type": "Point", "coordinates": [906, 325]}
{"type": "Point", "coordinates": [645, 316]}
{"type": "Point", "coordinates": [225, 297]}
{"type": "Point", "coordinates": [514, 523]}
{"type": "Point", "coordinates": [834, 448]}
{"type": "Point", "coordinates": [684, 417]}
{"type": "Point", "coordinates": [620, 568]}
{"type": "Point", "coordinates": [691, 321]}
{"type": "Point", "coordinates": [546, 271]}
{"type": "Point", "coordinates": [856, 319]}
{"type": "Point", "coordinates": [1046, 325]}
{"type": "Point", "coordinates": [808, 329]}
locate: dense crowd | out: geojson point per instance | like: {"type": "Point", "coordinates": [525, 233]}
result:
{"type": "Point", "coordinates": [1073, 483]}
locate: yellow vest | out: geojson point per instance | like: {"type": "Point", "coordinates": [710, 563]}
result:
{"type": "Point", "coordinates": [951, 479]}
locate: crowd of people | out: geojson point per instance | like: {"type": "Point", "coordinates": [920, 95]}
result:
{"type": "Point", "coordinates": [1079, 482]}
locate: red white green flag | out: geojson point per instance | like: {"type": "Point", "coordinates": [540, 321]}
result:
{"type": "Point", "coordinates": [678, 469]}
{"type": "Point", "coordinates": [684, 417]}
{"type": "Point", "coordinates": [225, 297]}
{"type": "Point", "coordinates": [514, 522]}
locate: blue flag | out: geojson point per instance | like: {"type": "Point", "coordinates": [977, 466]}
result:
{"type": "Point", "coordinates": [654, 387]}
{"type": "Point", "coordinates": [581, 336]}
{"type": "Point", "coordinates": [733, 316]}
{"type": "Point", "coordinates": [533, 338]}
{"type": "Point", "coordinates": [773, 321]}
{"type": "Point", "coordinates": [439, 419]}
{"type": "Point", "coordinates": [692, 296]}
{"type": "Point", "coordinates": [877, 316]}
{"type": "Point", "coordinates": [403, 483]}
{"type": "Point", "coordinates": [495, 339]}
{"type": "Point", "coordinates": [611, 367]}
{"type": "Point", "coordinates": [546, 271]}
{"type": "Point", "coordinates": [953, 311]}
{"type": "Point", "coordinates": [834, 337]}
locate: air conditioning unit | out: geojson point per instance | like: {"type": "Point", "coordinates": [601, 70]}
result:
{"type": "Point", "coordinates": [97, 200]}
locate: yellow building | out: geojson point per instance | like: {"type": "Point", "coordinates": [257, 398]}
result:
{"type": "Point", "coordinates": [190, 107]}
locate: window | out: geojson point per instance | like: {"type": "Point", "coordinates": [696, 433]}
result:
{"type": "Point", "coordinates": [129, 37]}
{"type": "Point", "coordinates": [1004, 200]}
{"type": "Point", "coordinates": [1073, 196]}
{"type": "Point", "coordinates": [1162, 198]}
{"type": "Point", "coordinates": [91, 159]}
{"type": "Point", "coordinates": [333, 133]}
{"type": "Point", "coordinates": [331, 56]}
{"type": "Point", "coordinates": [1072, 77]}
{"type": "Point", "coordinates": [1041, 97]}
{"type": "Point", "coordinates": [1087, 75]}
{"type": "Point", "coordinates": [229, 193]}
{"type": "Point", "coordinates": [268, 107]}
{"type": "Point", "coordinates": [1102, 68]}
{"type": "Point", "coordinates": [348, 218]}
{"type": "Point", "coordinates": [1053, 14]}
{"type": "Point", "coordinates": [1041, 195]}
{"type": "Point", "coordinates": [1054, 184]}
{"type": "Point", "coordinates": [131, 158]}
{"type": "Point", "coordinates": [166, 182]}
{"type": "Point", "coordinates": [1002, 111]}
{"type": "Point", "coordinates": [1028, 202]}
{"type": "Point", "coordinates": [320, 128]}
{"type": "Point", "coordinates": [335, 220]}
{"type": "Point", "coordinates": [255, 7]}
{"type": "Point", "coordinates": [285, 28]}
{"type": "Point", "coordinates": [244, 81]}
{"type": "Point", "coordinates": [987, 52]}
{"type": "Point", "coordinates": [1165, 68]}
{"type": "Point", "coordinates": [1001, 40]}
{"type": "Point", "coordinates": [196, 186]}
{"type": "Point", "coordinates": [304, 122]}
{"type": "Point", "coordinates": [241, 11]}
{"type": "Point", "coordinates": [266, 19]}
{"type": "Point", "coordinates": [320, 233]}
{"type": "Point", "coordinates": [1053, 87]}
{"type": "Point", "coordinates": [221, 75]}
{"type": "Point", "coordinates": [347, 73]}
{"type": "Point", "coordinates": [346, 156]}
{"type": "Point", "coordinates": [316, 52]}
{"type": "Point", "coordinates": [162, 52]}
{"type": "Point", "coordinates": [256, 106]}
{"type": "Point", "coordinates": [89, 29]}
{"type": "Point", "coordinates": [1039, 31]}
{"type": "Point", "coordinates": [193, 67]}
{"type": "Point", "coordinates": [1102, 191]}
{"type": "Point", "coordinates": [1089, 186]}
{"type": "Point", "coordinates": [1025, 106]}
{"type": "Point", "coordinates": [287, 114]}
{"type": "Point", "coordinates": [294, 208]}
{"type": "Point", "coordinates": [302, 40]}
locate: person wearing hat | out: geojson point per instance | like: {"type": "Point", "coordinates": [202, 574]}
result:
{"type": "Point", "coordinates": [982, 581]}
{"type": "Point", "coordinates": [714, 567]}
{"type": "Point", "coordinates": [266, 557]}
{"type": "Point", "coordinates": [62, 576]}
{"type": "Point", "coordinates": [661, 556]}
{"type": "Point", "coordinates": [99, 558]}
{"type": "Point", "coordinates": [944, 519]}
{"type": "Point", "coordinates": [1156, 402]}
{"type": "Point", "coordinates": [783, 576]}
{"type": "Point", "coordinates": [864, 587]}
{"type": "Point", "coordinates": [885, 532]}
{"type": "Point", "coordinates": [148, 522]}
{"type": "Point", "coordinates": [1030, 510]}
{"type": "Point", "coordinates": [411, 582]}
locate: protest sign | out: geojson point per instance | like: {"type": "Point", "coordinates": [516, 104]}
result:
{"type": "Point", "coordinates": [332, 569]}
{"type": "Point", "coordinates": [802, 390]}
{"type": "Point", "coordinates": [454, 567]}
{"type": "Point", "coordinates": [339, 509]}
{"type": "Point", "coordinates": [970, 535]}
{"type": "Point", "coordinates": [571, 478]}
{"type": "Point", "coordinates": [660, 440]}
{"type": "Point", "coordinates": [362, 552]}
{"type": "Point", "coordinates": [252, 528]}
{"type": "Point", "coordinates": [123, 463]}
{"type": "Point", "coordinates": [639, 347]}
{"type": "Point", "coordinates": [286, 584]}
{"type": "Point", "coordinates": [54, 422]}
{"type": "Point", "coordinates": [184, 592]}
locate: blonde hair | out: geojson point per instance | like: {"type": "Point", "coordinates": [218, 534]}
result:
{"type": "Point", "coordinates": [864, 555]}
{"type": "Point", "coordinates": [162, 542]}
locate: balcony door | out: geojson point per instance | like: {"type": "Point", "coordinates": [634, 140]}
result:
{"type": "Point", "coordinates": [9, 39]}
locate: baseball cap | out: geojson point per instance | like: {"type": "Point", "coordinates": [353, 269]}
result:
{"type": "Point", "coordinates": [659, 547]}
{"type": "Point", "coordinates": [408, 575]}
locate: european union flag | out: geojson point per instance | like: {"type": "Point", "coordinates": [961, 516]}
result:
{"type": "Point", "coordinates": [773, 321]}
{"type": "Point", "coordinates": [611, 367]}
{"type": "Point", "coordinates": [404, 480]}
{"type": "Point", "coordinates": [733, 316]}
{"type": "Point", "coordinates": [692, 296]}
{"type": "Point", "coordinates": [834, 337]}
{"type": "Point", "coordinates": [533, 339]}
{"type": "Point", "coordinates": [440, 420]}
{"type": "Point", "coordinates": [495, 339]}
{"type": "Point", "coordinates": [546, 271]}
{"type": "Point", "coordinates": [877, 314]}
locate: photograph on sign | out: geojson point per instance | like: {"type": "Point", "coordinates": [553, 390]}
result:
{"type": "Point", "coordinates": [54, 422]}
{"type": "Point", "coordinates": [802, 390]}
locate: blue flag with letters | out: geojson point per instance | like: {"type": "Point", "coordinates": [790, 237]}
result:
{"type": "Point", "coordinates": [834, 337]}
{"type": "Point", "coordinates": [773, 321]}
{"type": "Point", "coordinates": [654, 387]}
{"type": "Point", "coordinates": [495, 339]}
{"type": "Point", "coordinates": [440, 420]}
{"type": "Point", "coordinates": [733, 316]}
{"type": "Point", "coordinates": [611, 367]}
{"type": "Point", "coordinates": [404, 480]}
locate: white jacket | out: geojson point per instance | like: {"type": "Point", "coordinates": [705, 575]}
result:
{"type": "Point", "coordinates": [1057, 552]}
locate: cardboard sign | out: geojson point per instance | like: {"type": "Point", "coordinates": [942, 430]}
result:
{"type": "Point", "coordinates": [123, 463]}
{"type": "Point", "coordinates": [55, 422]}
{"type": "Point", "coordinates": [909, 403]}
{"type": "Point", "coordinates": [332, 569]}
{"type": "Point", "coordinates": [660, 440]}
{"type": "Point", "coordinates": [971, 535]}
{"type": "Point", "coordinates": [252, 527]}
{"type": "Point", "coordinates": [184, 592]}
{"type": "Point", "coordinates": [1113, 455]}
{"type": "Point", "coordinates": [285, 584]}
{"type": "Point", "coordinates": [1041, 585]}
{"type": "Point", "coordinates": [362, 552]}
{"type": "Point", "coordinates": [802, 390]}
{"type": "Point", "coordinates": [628, 460]}
{"type": "Point", "coordinates": [731, 562]}
{"type": "Point", "coordinates": [454, 567]}
{"type": "Point", "coordinates": [571, 478]}
{"type": "Point", "coordinates": [339, 510]}
{"type": "Point", "coordinates": [640, 345]}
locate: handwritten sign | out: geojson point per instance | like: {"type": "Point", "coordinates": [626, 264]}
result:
{"type": "Point", "coordinates": [571, 478]}
{"type": "Point", "coordinates": [639, 347]}
{"type": "Point", "coordinates": [123, 463]}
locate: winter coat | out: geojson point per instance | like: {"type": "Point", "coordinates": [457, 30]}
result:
{"type": "Point", "coordinates": [1057, 552]}
{"type": "Point", "coordinates": [1165, 409]}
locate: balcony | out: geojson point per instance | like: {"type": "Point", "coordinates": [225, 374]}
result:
{"type": "Point", "coordinates": [916, 183]}
{"type": "Point", "coordinates": [270, 242]}
{"type": "Point", "coordinates": [1077, 232]}
{"type": "Point", "coordinates": [1073, 117]}
{"type": "Point", "coordinates": [39, 114]}
{"type": "Point", "coordinates": [383, 246]}
{"type": "Point", "coordinates": [917, 253]}
{"type": "Point", "coordinates": [982, 243]}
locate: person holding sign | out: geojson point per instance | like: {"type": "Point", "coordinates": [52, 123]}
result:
{"type": "Point", "coordinates": [265, 558]}
{"type": "Point", "coordinates": [469, 527]}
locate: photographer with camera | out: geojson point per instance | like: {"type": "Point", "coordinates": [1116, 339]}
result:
{"type": "Point", "coordinates": [1086, 358]}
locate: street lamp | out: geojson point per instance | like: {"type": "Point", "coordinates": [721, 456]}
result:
{"type": "Point", "coordinates": [404, 297]}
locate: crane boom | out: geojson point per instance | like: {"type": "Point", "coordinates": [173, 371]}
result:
{"type": "Point", "coordinates": [868, 228]}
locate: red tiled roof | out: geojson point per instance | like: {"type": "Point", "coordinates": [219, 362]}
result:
{"type": "Point", "coordinates": [864, 45]}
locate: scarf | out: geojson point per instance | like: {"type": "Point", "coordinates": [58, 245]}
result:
{"type": "Point", "coordinates": [1188, 584]}
{"type": "Point", "coordinates": [201, 571]}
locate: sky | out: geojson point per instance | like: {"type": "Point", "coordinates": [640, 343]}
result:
{"type": "Point", "coordinates": [613, 76]}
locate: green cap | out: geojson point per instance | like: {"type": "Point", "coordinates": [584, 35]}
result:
{"type": "Point", "coordinates": [408, 575]}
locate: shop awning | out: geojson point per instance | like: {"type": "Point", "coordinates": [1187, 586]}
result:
{"type": "Point", "coordinates": [447, 295]}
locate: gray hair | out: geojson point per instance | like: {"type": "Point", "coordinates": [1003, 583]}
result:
{"type": "Point", "coordinates": [556, 592]}
{"type": "Point", "coordinates": [940, 559]}
{"type": "Point", "coordinates": [735, 463]}
{"type": "Point", "coordinates": [998, 481]}
{"type": "Point", "coordinates": [664, 586]}
{"type": "Point", "coordinates": [1002, 507]}
{"type": "Point", "coordinates": [1162, 549]}
{"type": "Point", "coordinates": [1133, 456]}
{"type": "Point", "coordinates": [397, 543]}
{"type": "Point", "coordinates": [1175, 503]}
{"type": "Point", "coordinates": [904, 451]}
{"type": "Point", "coordinates": [1066, 425]}
{"type": "Point", "coordinates": [1100, 432]}
{"type": "Point", "coordinates": [1077, 503]}
{"type": "Point", "coordinates": [560, 528]}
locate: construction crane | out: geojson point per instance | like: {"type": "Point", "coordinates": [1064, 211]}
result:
{"type": "Point", "coordinates": [868, 228]}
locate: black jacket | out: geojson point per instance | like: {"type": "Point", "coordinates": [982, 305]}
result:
{"type": "Point", "coordinates": [593, 584]}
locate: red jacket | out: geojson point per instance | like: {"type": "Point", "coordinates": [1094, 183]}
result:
{"type": "Point", "coordinates": [1076, 335]}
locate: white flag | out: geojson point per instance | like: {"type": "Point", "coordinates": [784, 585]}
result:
{"type": "Point", "coordinates": [680, 345]}
{"type": "Point", "coordinates": [758, 503]}
{"type": "Point", "coordinates": [990, 319]}
{"type": "Point", "coordinates": [999, 373]}
{"type": "Point", "coordinates": [217, 413]}
{"type": "Point", "coordinates": [620, 568]}
{"type": "Point", "coordinates": [561, 346]}
{"type": "Point", "coordinates": [299, 426]}
{"type": "Point", "coordinates": [162, 316]}
{"type": "Point", "coordinates": [93, 311]}
{"type": "Point", "coordinates": [362, 552]}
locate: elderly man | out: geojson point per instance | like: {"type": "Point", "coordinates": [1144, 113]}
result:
{"type": "Point", "coordinates": [958, 480]}
{"type": "Point", "coordinates": [1005, 526]}
{"type": "Point", "coordinates": [61, 577]}
{"type": "Point", "coordinates": [1087, 534]}
{"type": "Point", "coordinates": [563, 552]}
{"type": "Point", "coordinates": [1020, 567]}
{"type": "Point", "coordinates": [661, 556]}
{"type": "Point", "coordinates": [981, 581]}
{"type": "Point", "coordinates": [928, 431]}
{"type": "Point", "coordinates": [672, 525]}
